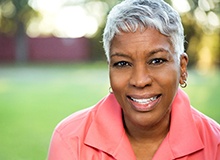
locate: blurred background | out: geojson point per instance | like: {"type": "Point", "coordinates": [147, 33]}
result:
{"type": "Point", "coordinates": [52, 64]}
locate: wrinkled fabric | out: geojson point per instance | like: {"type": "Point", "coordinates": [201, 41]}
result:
{"type": "Point", "coordinates": [97, 133]}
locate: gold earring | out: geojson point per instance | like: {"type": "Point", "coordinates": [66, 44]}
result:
{"type": "Point", "coordinates": [184, 85]}
{"type": "Point", "coordinates": [110, 90]}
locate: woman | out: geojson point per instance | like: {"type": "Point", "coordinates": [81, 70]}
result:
{"type": "Point", "coordinates": [146, 116]}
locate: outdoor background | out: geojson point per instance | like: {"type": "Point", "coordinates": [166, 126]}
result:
{"type": "Point", "coordinates": [52, 64]}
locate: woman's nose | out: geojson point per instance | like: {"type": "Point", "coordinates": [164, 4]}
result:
{"type": "Point", "coordinates": [140, 77]}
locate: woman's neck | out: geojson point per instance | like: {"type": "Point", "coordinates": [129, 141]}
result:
{"type": "Point", "coordinates": [145, 140]}
{"type": "Point", "coordinates": [148, 133]}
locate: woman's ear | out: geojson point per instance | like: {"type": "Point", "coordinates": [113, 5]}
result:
{"type": "Point", "coordinates": [183, 68]}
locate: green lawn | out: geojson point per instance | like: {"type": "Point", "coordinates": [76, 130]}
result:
{"type": "Point", "coordinates": [34, 98]}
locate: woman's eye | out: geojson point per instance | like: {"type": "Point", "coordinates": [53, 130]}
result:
{"type": "Point", "coordinates": [121, 64]}
{"type": "Point", "coordinates": [157, 61]}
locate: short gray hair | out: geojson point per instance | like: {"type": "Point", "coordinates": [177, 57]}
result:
{"type": "Point", "coordinates": [130, 15]}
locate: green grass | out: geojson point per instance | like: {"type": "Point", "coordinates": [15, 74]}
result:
{"type": "Point", "coordinates": [34, 98]}
{"type": "Point", "coordinates": [204, 92]}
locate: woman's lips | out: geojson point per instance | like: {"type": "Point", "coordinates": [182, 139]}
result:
{"type": "Point", "coordinates": [144, 104]}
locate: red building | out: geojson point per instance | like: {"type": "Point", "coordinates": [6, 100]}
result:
{"type": "Point", "coordinates": [50, 49]}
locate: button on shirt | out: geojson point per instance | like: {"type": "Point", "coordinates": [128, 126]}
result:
{"type": "Point", "coordinates": [97, 133]}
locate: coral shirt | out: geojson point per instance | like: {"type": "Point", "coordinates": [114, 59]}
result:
{"type": "Point", "coordinates": [97, 133]}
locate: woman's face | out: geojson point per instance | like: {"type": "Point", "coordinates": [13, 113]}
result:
{"type": "Point", "coordinates": [144, 75]}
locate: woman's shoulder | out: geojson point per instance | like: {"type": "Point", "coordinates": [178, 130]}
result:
{"type": "Point", "coordinates": [77, 120]}
{"type": "Point", "coordinates": [206, 125]}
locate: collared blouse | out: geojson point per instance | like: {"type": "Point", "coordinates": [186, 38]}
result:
{"type": "Point", "coordinates": [97, 133]}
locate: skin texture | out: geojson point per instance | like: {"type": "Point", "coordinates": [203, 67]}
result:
{"type": "Point", "coordinates": [143, 65]}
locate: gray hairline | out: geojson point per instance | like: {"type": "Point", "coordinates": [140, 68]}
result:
{"type": "Point", "coordinates": [115, 27]}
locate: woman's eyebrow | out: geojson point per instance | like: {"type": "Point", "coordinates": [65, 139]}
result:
{"type": "Point", "coordinates": [152, 52]}
{"type": "Point", "coordinates": [158, 50]}
{"type": "Point", "coordinates": [119, 55]}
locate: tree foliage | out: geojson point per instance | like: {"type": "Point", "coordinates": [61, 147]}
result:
{"type": "Point", "coordinates": [13, 13]}
{"type": "Point", "coordinates": [202, 30]}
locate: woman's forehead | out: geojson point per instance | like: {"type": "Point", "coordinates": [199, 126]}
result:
{"type": "Point", "coordinates": [149, 39]}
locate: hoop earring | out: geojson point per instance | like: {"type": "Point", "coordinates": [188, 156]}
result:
{"type": "Point", "coordinates": [184, 85]}
{"type": "Point", "coordinates": [110, 90]}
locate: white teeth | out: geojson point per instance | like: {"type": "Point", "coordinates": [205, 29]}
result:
{"type": "Point", "coordinates": [144, 101]}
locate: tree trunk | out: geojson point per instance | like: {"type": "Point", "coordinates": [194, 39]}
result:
{"type": "Point", "coordinates": [21, 42]}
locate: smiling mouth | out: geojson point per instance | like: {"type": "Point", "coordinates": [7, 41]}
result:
{"type": "Point", "coordinates": [144, 104]}
{"type": "Point", "coordinates": [144, 100]}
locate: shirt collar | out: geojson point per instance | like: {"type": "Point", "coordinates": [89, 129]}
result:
{"type": "Point", "coordinates": [107, 132]}
{"type": "Point", "coordinates": [183, 137]}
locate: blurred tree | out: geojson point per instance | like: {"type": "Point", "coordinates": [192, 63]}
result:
{"type": "Point", "coordinates": [202, 30]}
{"type": "Point", "coordinates": [14, 18]}
{"type": "Point", "coordinates": [98, 47]}
{"type": "Point", "coordinates": [97, 52]}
